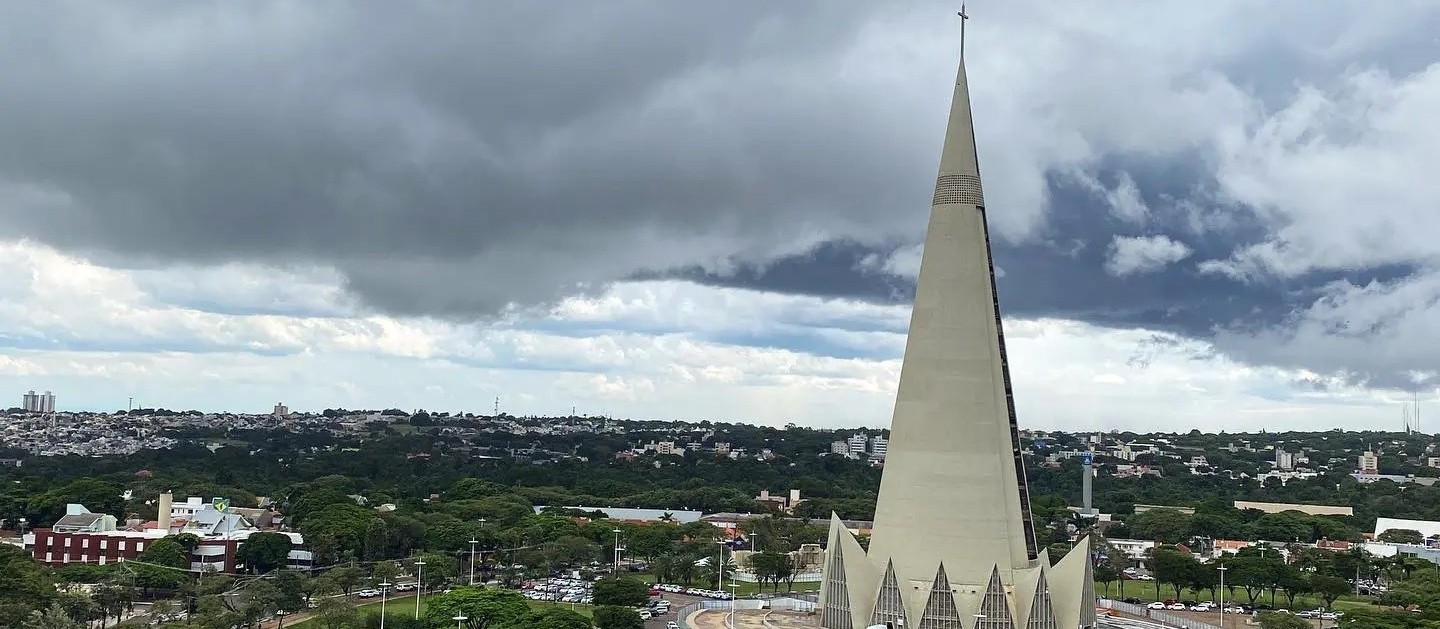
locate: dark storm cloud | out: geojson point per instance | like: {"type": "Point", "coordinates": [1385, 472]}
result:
{"type": "Point", "coordinates": [1061, 272]}
{"type": "Point", "coordinates": [452, 159]}
{"type": "Point", "coordinates": [448, 158]}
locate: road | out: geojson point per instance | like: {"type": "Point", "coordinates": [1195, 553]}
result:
{"type": "Point", "coordinates": [676, 602]}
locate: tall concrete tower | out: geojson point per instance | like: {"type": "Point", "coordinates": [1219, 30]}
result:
{"type": "Point", "coordinates": [953, 545]}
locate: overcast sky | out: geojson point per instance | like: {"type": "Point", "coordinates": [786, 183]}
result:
{"type": "Point", "coordinates": [1220, 215]}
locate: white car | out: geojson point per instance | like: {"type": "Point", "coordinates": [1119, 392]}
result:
{"type": "Point", "coordinates": [1179, 607]}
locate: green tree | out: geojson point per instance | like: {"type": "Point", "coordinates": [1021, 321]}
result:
{"type": "Point", "coordinates": [262, 552]}
{"type": "Point", "coordinates": [612, 617]}
{"type": "Point", "coordinates": [52, 618]}
{"type": "Point", "coordinates": [336, 613]}
{"type": "Point", "coordinates": [25, 585]}
{"type": "Point", "coordinates": [340, 579]}
{"type": "Point", "coordinates": [623, 591]}
{"type": "Point", "coordinates": [549, 618]}
{"type": "Point", "coordinates": [1402, 536]}
{"type": "Point", "coordinates": [1329, 588]}
{"type": "Point", "coordinates": [438, 569]}
{"type": "Point", "coordinates": [163, 564]}
{"type": "Point", "coordinates": [80, 606]}
{"type": "Point", "coordinates": [384, 571]}
{"type": "Point", "coordinates": [1169, 526]}
{"type": "Point", "coordinates": [1174, 568]}
{"type": "Point", "coordinates": [484, 608]}
{"type": "Point", "coordinates": [771, 566]}
{"type": "Point", "coordinates": [1294, 581]}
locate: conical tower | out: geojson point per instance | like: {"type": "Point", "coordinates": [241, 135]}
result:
{"type": "Point", "coordinates": [953, 493]}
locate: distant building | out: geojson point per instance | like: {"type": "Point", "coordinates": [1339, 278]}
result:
{"type": "Point", "coordinates": [878, 447]}
{"type": "Point", "coordinates": [1280, 507]}
{"type": "Point", "coordinates": [784, 503]}
{"type": "Point", "coordinates": [92, 538]}
{"type": "Point", "coordinates": [1426, 528]}
{"type": "Point", "coordinates": [32, 402]}
{"type": "Point", "coordinates": [281, 411]}
{"type": "Point", "coordinates": [666, 447]}
{"type": "Point", "coordinates": [1284, 460]}
{"type": "Point", "coordinates": [839, 447]}
{"type": "Point", "coordinates": [1369, 463]}
{"type": "Point", "coordinates": [859, 444]}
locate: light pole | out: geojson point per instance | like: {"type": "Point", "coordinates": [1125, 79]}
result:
{"type": "Point", "coordinates": [732, 605]}
{"type": "Point", "coordinates": [384, 589]}
{"type": "Point", "coordinates": [720, 568]}
{"type": "Point", "coordinates": [615, 567]}
{"type": "Point", "coordinates": [458, 620]}
{"type": "Point", "coordinates": [1222, 570]}
{"type": "Point", "coordinates": [482, 553]}
{"type": "Point", "coordinates": [281, 614]}
{"type": "Point", "coordinates": [419, 585]}
{"type": "Point", "coordinates": [473, 542]}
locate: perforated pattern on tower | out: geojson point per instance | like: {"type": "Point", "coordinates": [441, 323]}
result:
{"type": "Point", "coordinates": [1042, 611]}
{"type": "Point", "coordinates": [889, 607]}
{"type": "Point", "coordinates": [940, 611]}
{"type": "Point", "coordinates": [962, 188]}
{"type": "Point", "coordinates": [836, 614]}
{"type": "Point", "coordinates": [994, 610]}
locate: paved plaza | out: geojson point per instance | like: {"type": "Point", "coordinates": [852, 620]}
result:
{"type": "Point", "coordinates": [753, 619]}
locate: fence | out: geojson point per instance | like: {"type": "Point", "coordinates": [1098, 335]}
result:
{"type": "Point", "coordinates": [1155, 614]}
{"type": "Point", "coordinates": [682, 617]}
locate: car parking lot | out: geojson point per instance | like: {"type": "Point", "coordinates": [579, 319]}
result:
{"type": "Point", "coordinates": [559, 590]}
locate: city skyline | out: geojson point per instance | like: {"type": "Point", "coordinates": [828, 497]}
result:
{"type": "Point", "coordinates": [719, 223]}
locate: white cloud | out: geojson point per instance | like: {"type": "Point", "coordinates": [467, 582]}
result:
{"type": "Point", "coordinates": [1129, 255]}
{"type": "Point", "coordinates": [1124, 200]}
{"type": "Point", "coordinates": [650, 349]}
{"type": "Point", "coordinates": [1343, 176]}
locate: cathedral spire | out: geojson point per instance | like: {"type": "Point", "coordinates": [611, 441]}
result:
{"type": "Point", "coordinates": [953, 474]}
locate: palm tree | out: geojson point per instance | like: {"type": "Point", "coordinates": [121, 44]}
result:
{"type": "Point", "coordinates": [667, 517]}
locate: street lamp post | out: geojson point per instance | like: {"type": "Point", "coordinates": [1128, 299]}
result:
{"type": "Point", "coordinates": [720, 568]}
{"type": "Point", "coordinates": [473, 542]}
{"type": "Point", "coordinates": [384, 589]}
{"type": "Point", "coordinates": [458, 620]}
{"type": "Point", "coordinates": [419, 585]}
{"type": "Point", "coordinates": [281, 614]}
{"type": "Point", "coordinates": [615, 567]}
{"type": "Point", "coordinates": [482, 553]}
{"type": "Point", "coordinates": [1222, 570]}
{"type": "Point", "coordinates": [732, 605]}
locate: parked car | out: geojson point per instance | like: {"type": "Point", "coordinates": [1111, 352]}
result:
{"type": "Point", "coordinates": [1156, 605]}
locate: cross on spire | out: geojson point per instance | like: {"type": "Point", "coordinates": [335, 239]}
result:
{"type": "Point", "coordinates": [964, 17]}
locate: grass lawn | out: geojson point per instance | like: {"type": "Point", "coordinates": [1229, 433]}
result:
{"type": "Point", "coordinates": [1145, 591]}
